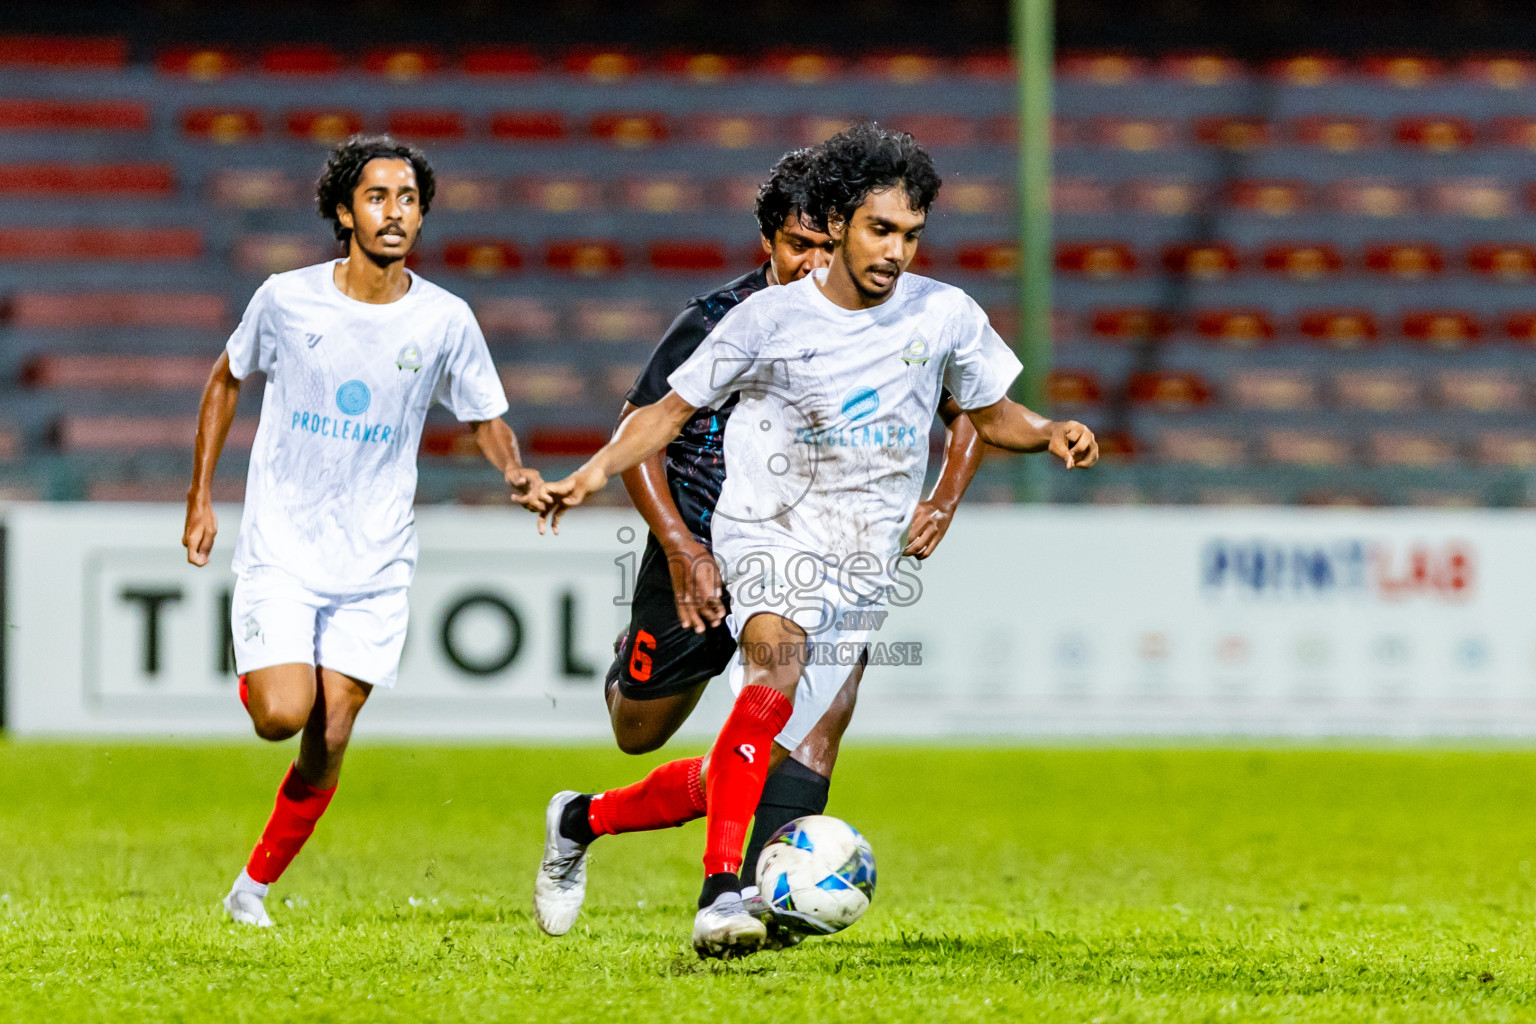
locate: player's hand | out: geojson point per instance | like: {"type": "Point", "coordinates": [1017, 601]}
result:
{"type": "Point", "coordinates": [929, 525]}
{"type": "Point", "coordinates": [695, 585]}
{"type": "Point", "coordinates": [528, 488]}
{"type": "Point", "coordinates": [568, 493]}
{"type": "Point", "coordinates": [202, 526]}
{"type": "Point", "coordinates": [1074, 444]}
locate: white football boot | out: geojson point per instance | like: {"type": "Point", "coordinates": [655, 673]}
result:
{"type": "Point", "coordinates": [725, 930]}
{"type": "Point", "coordinates": [561, 884]}
{"type": "Point", "coordinates": [246, 902]}
{"type": "Point", "coordinates": [779, 937]}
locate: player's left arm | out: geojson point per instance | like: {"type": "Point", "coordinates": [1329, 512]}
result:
{"type": "Point", "coordinates": [1007, 424]}
{"type": "Point", "coordinates": [499, 445]}
{"type": "Point", "coordinates": [962, 457]}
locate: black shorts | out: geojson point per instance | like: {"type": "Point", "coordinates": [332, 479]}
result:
{"type": "Point", "coordinates": [657, 656]}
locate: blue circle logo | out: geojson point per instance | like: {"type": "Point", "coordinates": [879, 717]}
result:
{"type": "Point", "coordinates": [353, 398]}
{"type": "Point", "coordinates": [861, 402]}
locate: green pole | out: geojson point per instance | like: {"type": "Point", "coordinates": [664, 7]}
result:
{"type": "Point", "coordinates": [1034, 54]}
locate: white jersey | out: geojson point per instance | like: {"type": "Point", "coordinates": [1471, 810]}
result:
{"type": "Point", "coordinates": [827, 450]}
{"type": "Point", "coordinates": [332, 484]}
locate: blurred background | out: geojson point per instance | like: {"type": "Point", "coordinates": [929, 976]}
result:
{"type": "Point", "coordinates": [1294, 243]}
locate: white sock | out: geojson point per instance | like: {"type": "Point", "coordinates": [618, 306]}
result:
{"type": "Point", "coordinates": [245, 883]}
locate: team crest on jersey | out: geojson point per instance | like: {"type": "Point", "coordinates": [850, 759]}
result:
{"type": "Point", "coordinates": [353, 398]}
{"type": "Point", "coordinates": [916, 352]}
{"type": "Point", "coordinates": [860, 402]}
{"type": "Point", "coordinates": [409, 358]}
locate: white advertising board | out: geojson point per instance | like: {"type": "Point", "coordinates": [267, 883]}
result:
{"type": "Point", "coordinates": [1027, 621]}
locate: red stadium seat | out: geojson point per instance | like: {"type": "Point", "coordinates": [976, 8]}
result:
{"type": "Point", "coordinates": [311, 59]}
{"type": "Point", "coordinates": [542, 384]}
{"type": "Point", "coordinates": [801, 67]}
{"type": "Point", "coordinates": [199, 63]}
{"type": "Point", "coordinates": [458, 193]}
{"type": "Point", "coordinates": [518, 318]}
{"type": "Point", "coordinates": [1073, 388]}
{"type": "Point", "coordinates": [1336, 134]}
{"type": "Point", "coordinates": [326, 127]}
{"type": "Point", "coordinates": [1238, 134]}
{"type": "Point", "coordinates": [1197, 446]}
{"type": "Point", "coordinates": [739, 193]}
{"type": "Point", "coordinates": [1434, 134]}
{"type": "Point", "coordinates": [1370, 197]}
{"type": "Point", "coordinates": [617, 379]}
{"type": "Point", "coordinates": [692, 257]}
{"type": "Point", "coordinates": [528, 126]}
{"type": "Point", "coordinates": [1499, 72]}
{"type": "Point", "coordinates": [1134, 135]}
{"type": "Point", "coordinates": [1408, 450]}
{"type": "Point", "coordinates": [999, 259]}
{"type": "Point", "coordinates": [1376, 390]}
{"type": "Point", "coordinates": [901, 68]}
{"type": "Point", "coordinates": [1272, 389]}
{"type": "Point", "coordinates": [1305, 70]}
{"type": "Point", "coordinates": [1481, 391]}
{"type": "Point", "coordinates": [702, 68]}
{"type": "Point", "coordinates": [1068, 195]}
{"type": "Point", "coordinates": [1305, 448]}
{"type": "Point", "coordinates": [403, 63]}
{"type": "Point", "coordinates": [1101, 261]}
{"type": "Point", "coordinates": [629, 130]}
{"type": "Point", "coordinates": [132, 433]}
{"type": "Point", "coordinates": [482, 257]}
{"type": "Point", "coordinates": [1209, 262]}
{"type": "Point", "coordinates": [1511, 262]}
{"type": "Point", "coordinates": [991, 65]}
{"type": "Point", "coordinates": [255, 189]}
{"type": "Point", "coordinates": [812, 129]}
{"type": "Point", "coordinates": [1339, 328]}
{"type": "Point", "coordinates": [584, 257]}
{"type": "Point", "coordinates": [1102, 69]}
{"type": "Point", "coordinates": [1302, 261]}
{"type": "Point", "coordinates": [276, 253]}
{"type": "Point", "coordinates": [124, 180]}
{"type": "Point", "coordinates": [1505, 449]}
{"type": "Point", "coordinates": [674, 194]}
{"type": "Point", "coordinates": [427, 125]}
{"type": "Point", "coordinates": [1162, 198]}
{"type": "Point", "coordinates": [116, 372]}
{"type": "Point", "coordinates": [223, 125]}
{"type": "Point", "coordinates": [606, 66]}
{"type": "Point", "coordinates": [733, 131]}
{"type": "Point", "coordinates": [63, 53]}
{"type": "Point", "coordinates": [1476, 198]}
{"type": "Point", "coordinates": [939, 130]}
{"type": "Point", "coordinates": [500, 62]}
{"type": "Point", "coordinates": [1130, 324]}
{"type": "Point", "coordinates": [1269, 198]}
{"type": "Point", "coordinates": [1207, 70]}
{"type": "Point", "coordinates": [617, 320]}
{"type": "Point", "coordinates": [67, 116]}
{"type": "Point", "coordinates": [565, 442]}
{"type": "Point", "coordinates": [65, 310]}
{"type": "Point", "coordinates": [1235, 328]}
{"type": "Point", "coordinates": [558, 195]}
{"type": "Point", "coordinates": [125, 244]}
{"type": "Point", "coordinates": [1407, 261]}
{"type": "Point", "coordinates": [1512, 132]}
{"type": "Point", "coordinates": [1169, 390]}
{"type": "Point", "coordinates": [1442, 328]}
{"type": "Point", "coordinates": [1403, 71]}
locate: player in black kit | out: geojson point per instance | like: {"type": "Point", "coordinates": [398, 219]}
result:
{"type": "Point", "coordinates": [677, 639]}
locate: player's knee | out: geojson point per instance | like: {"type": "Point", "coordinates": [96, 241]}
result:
{"type": "Point", "coordinates": [640, 742]}
{"type": "Point", "coordinates": [277, 723]}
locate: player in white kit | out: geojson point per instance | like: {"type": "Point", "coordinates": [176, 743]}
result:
{"type": "Point", "coordinates": [839, 375]}
{"type": "Point", "coordinates": [354, 351]}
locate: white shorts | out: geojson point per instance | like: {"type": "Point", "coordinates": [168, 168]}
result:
{"type": "Point", "coordinates": [278, 621]}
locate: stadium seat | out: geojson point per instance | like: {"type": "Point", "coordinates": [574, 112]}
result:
{"type": "Point", "coordinates": [1376, 390]}
{"type": "Point", "coordinates": [616, 379]}
{"type": "Point", "coordinates": [55, 310]}
{"type": "Point", "coordinates": [997, 259]}
{"type": "Point", "coordinates": [276, 253]}
{"type": "Point", "coordinates": [482, 257]}
{"type": "Point", "coordinates": [557, 195]}
{"type": "Point", "coordinates": [1335, 134]}
{"type": "Point", "coordinates": [733, 131]}
{"type": "Point", "coordinates": [1339, 328]}
{"type": "Point", "coordinates": [528, 126]}
{"type": "Point", "coordinates": [19, 115]}
{"type": "Point", "coordinates": [564, 442]}
{"type": "Point", "coordinates": [1477, 198]}
{"type": "Point", "coordinates": [106, 434]}
{"type": "Point", "coordinates": [1305, 448]}
{"type": "Point", "coordinates": [1305, 70]}
{"type": "Point", "coordinates": [1068, 195]}
{"type": "Point", "coordinates": [1371, 197]}
{"type": "Point", "coordinates": [617, 320]}
{"type": "Point", "coordinates": [938, 131]}
{"type": "Point", "coordinates": [255, 188]}
{"type": "Point", "coordinates": [125, 244]}
{"type": "Point", "coordinates": [1269, 198]}
{"type": "Point", "coordinates": [542, 383]}
{"type": "Point", "coordinates": [1499, 72]}
{"type": "Point", "coordinates": [737, 193]}
{"type": "Point", "coordinates": [606, 66]}
{"type": "Point", "coordinates": [813, 129]}
{"type": "Point", "coordinates": [701, 68]}
{"type": "Point", "coordinates": [1238, 134]}
{"type": "Point", "coordinates": [517, 318]}
{"type": "Point", "coordinates": [1208, 262]}
{"type": "Point", "coordinates": [802, 67]}
{"type": "Point", "coordinates": [1129, 324]}
{"type": "Point", "coordinates": [690, 257]}
{"type": "Point", "coordinates": [1133, 135]}
{"type": "Point", "coordinates": [1207, 70]}
{"type": "Point", "coordinates": [63, 53]}
{"type": "Point", "coordinates": [1169, 390]}
{"type": "Point", "coordinates": [1434, 134]}
{"type": "Point", "coordinates": [454, 441]}
{"type": "Point", "coordinates": [427, 125]}
{"type": "Point", "coordinates": [1235, 328]}
{"type": "Point", "coordinates": [1407, 261]}
{"type": "Point", "coordinates": [1512, 132]}
{"type": "Point", "coordinates": [1508, 262]}
{"type": "Point", "coordinates": [199, 63]}
{"type": "Point", "coordinates": [1100, 261]}
{"type": "Point", "coordinates": [975, 198]}
{"type": "Point", "coordinates": [1442, 328]}
{"type": "Point", "coordinates": [116, 372]}
{"type": "Point", "coordinates": [1073, 389]}
{"type": "Point", "coordinates": [673, 194]}
{"type": "Point", "coordinates": [1200, 446]}
{"type": "Point", "coordinates": [1404, 449]}
{"type": "Point", "coordinates": [1101, 69]}
{"type": "Point", "coordinates": [1162, 198]}
{"type": "Point", "coordinates": [1520, 327]}
{"type": "Point", "coordinates": [325, 127]}
{"type": "Point", "coordinates": [461, 193]}
{"type": "Point", "coordinates": [403, 63]}
{"type": "Point", "coordinates": [226, 126]}
{"type": "Point", "coordinates": [53, 179]}
{"type": "Point", "coordinates": [1403, 71]}
{"type": "Point", "coordinates": [629, 130]}
{"type": "Point", "coordinates": [1505, 449]}
{"type": "Point", "coordinates": [312, 59]}
{"type": "Point", "coordinates": [1272, 389]}
{"type": "Point", "coordinates": [992, 66]}
{"type": "Point", "coordinates": [500, 62]}
{"type": "Point", "coordinates": [1303, 262]}
{"type": "Point", "coordinates": [1481, 391]}
{"type": "Point", "coordinates": [901, 68]}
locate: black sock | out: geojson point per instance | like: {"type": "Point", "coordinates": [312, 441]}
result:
{"type": "Point", "coordinates": [573, 820]}
{"type": "Point", "coordinates": [714, 885]}
{"type": "Point", "coordinates": [791, 792]}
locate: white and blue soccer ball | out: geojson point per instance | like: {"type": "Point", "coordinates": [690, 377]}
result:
{"type": "Point", "coordinates": [817, 874]}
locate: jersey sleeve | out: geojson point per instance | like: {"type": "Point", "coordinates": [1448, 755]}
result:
{"type": "Point", "coordinates": [724, 361]}
{"type": "Point", "coordinates": [469, 387]}
{"type": "Point", "coordinates": [681, 341]}
{"type": "Point", "coordinates": [253, 346]}
{"type": "Point", "coordinates": [980, 367]}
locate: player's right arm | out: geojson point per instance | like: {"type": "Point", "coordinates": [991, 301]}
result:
{"type": "Point", "coordinates": [220, 396]}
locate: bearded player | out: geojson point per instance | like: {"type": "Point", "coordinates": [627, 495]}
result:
{"type": "Point", "coordinates": [354, 351]}
{"type": "Point", "coordinates": [838, 374]}
{"type": "Point", "coordinates": [677, 639]}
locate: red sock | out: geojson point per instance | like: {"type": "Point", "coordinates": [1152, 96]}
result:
{"type": "Point", "coordinates": [245, 694]}
{"type": "Point", "coordinates": [671, 795]}
{"type": "Point", "coordinates": [299, 806]}
{"type": "Point", "coordinates": [738, 767]}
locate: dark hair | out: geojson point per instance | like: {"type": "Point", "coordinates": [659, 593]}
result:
{"type": "Point", "coordinates": [784, 191]}
{"type": "Point", "coordinates": [344, 168]}
{"type": "Point", "coordinates": [867, 158]}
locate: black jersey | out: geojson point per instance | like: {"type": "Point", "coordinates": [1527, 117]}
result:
{"type": "Point", "coordinates": [695, 459]}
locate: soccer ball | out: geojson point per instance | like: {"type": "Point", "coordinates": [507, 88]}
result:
{"type": "Point", "coordinates": [817, 874]}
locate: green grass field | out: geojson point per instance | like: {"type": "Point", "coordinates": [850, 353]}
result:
{"type": "Point", "coordinates": [1058, 885]}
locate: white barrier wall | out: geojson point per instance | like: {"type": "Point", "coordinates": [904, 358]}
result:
{"type": "Point", "coordinates": [1026, 621]}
